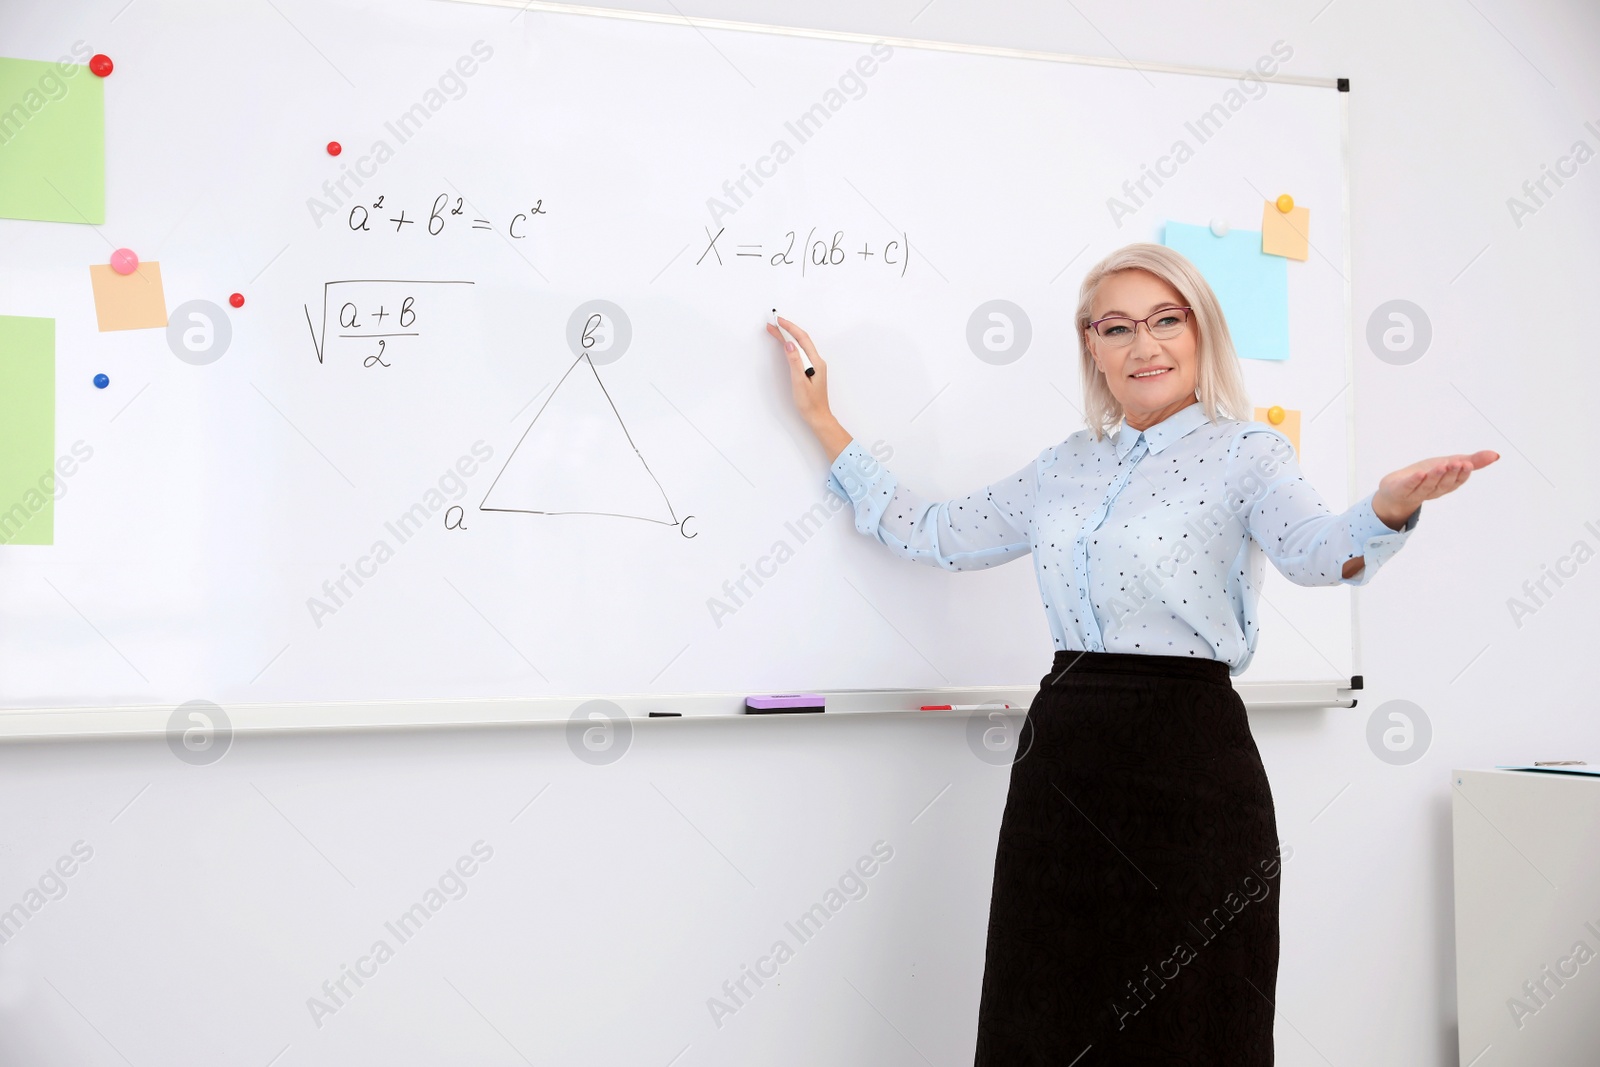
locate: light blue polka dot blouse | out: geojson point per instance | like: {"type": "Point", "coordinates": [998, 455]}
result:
{"type": "Point", "coordinates": [1143, 542]}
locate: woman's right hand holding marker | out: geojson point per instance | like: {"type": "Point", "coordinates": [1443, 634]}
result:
{"type": "Point", "coordinates": [810, 392]}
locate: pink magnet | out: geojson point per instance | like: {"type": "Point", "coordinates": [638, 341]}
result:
{"type": "Point", "coordinates": [123, 261]}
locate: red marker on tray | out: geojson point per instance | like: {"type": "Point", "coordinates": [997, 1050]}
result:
{"type": "Point", "coordinates": [964, 707]}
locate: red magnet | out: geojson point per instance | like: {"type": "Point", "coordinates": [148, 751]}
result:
{"type": "Point", "coordinates": [100, 65]}
{"type": "Point", "coordinates": [123, 261]}
{"type": "Point", "coordinates": [334, 148]}
{"type": "Point", "coordinates": [237, 300]}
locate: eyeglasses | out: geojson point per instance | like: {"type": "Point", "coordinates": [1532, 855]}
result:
{"type": "Point", "coordinates": [1119, 330]}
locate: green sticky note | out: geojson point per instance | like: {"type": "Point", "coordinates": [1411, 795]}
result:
{"type": "Point", "coordinates": [27, 430]}
{"type": "Point", "coordinates": [52, 142]}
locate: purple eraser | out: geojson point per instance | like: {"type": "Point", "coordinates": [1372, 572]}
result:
{"type": "Point", "coordinates": [783, 702]}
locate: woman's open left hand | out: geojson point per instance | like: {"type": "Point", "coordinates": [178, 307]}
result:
{"type": "Point", "coordinates": [1402, 492]}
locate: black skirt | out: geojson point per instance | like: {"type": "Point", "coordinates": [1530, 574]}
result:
{"type": "Point", "coordinates": [1134, 918]}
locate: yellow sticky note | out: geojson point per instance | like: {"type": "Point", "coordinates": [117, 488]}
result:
{"type": "Point", "coordinates": [1289, 427]}
{"type": "Point", "coordinates": [1286, 234]}
{"type": "Point", "coordinates": [128, 301]}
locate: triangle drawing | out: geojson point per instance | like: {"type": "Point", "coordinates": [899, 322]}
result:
{"type": "Point", "coordinates": [576, 458]}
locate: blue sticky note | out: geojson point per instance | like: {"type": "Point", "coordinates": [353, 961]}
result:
{"type": "Point", "coordinates": [1252, 287]}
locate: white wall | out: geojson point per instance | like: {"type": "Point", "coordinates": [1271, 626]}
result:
{"type": "Point", "coordinates": [219, 898]}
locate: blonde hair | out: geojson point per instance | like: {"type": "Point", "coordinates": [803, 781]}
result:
{"type": "Point", "coordinates": [1219, 379]}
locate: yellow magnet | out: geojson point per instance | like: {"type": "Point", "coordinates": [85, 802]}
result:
{"type": "Point", "coordinates": [1285, 420]}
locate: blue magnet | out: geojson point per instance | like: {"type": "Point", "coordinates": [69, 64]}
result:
{"type": "Point", "coordinates": [101, 381]}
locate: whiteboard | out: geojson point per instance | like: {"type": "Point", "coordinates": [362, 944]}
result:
{"type": "Point", "coordinates": [639, 509]}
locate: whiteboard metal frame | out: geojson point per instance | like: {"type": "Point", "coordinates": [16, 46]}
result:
{"type": "Point", "coordinates": [1349, 363]}
{"type": "Point", "coordinates": [546, 6]}
{"type": "Point", "coordinates": [46, 724]}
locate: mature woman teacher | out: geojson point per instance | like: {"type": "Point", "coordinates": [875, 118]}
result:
{"type": "Point", "coordinates": [1132, 919]}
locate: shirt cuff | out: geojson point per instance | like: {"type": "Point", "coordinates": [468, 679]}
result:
{"type": "Point", "coordinates": [864, 483]}
{"type": "Point", "coordinates": [1365, 524]}
{"type": "Point", "coordinates": [853, 473]}
{"type": "Point", "coordinates": [1375, 540]}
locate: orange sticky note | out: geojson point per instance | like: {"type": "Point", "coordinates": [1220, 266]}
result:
{"type": "Point", "coordinates": [1289, 427]}
{"type": "Point", "coordinates": [1286, 234]}
{"type": "Point", "coordinates": [128, 301]}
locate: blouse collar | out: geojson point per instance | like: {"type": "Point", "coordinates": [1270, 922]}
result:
{"type": "Point", "coordinates": [1162, 433]}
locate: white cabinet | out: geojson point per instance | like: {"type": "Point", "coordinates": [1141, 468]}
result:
{"type": "Point", "coordinates": [1527, 896]}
